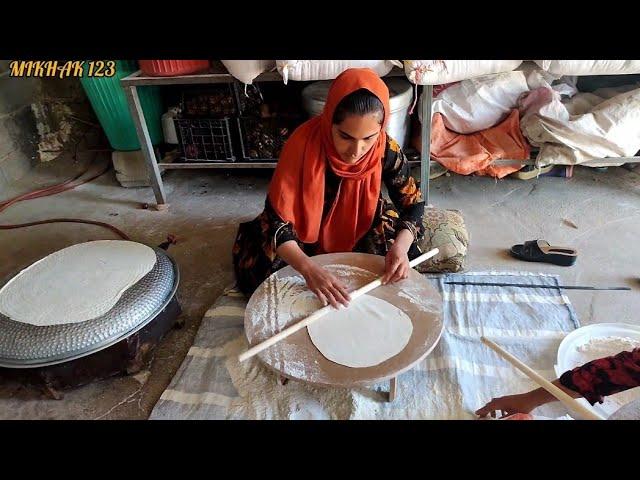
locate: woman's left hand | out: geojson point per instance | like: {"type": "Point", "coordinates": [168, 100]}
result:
{"type": "Point", "coordinates": [396, 262]}
{"type": "Point", "coordinates": [509, 405]}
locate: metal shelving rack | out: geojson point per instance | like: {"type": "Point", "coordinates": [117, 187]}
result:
{"type": "Point", "coordinates": [218, 74]}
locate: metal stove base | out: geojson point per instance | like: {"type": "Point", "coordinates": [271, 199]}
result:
{"type": "Point", "coordinates": [126, 357]}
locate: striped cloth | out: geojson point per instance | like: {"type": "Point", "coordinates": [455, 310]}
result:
{"type": "Point", "coordinates": [459, 376]}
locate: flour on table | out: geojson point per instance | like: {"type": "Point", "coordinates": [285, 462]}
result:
{"type": "Point", "coordinates": [416, 297]}
{"type": "Point", "coordinates": [380, 329]}
{"type": "Point", "coordinates": [271, 312]}
{"type": "Point", "coordinates": [292, 361]}
{"type": "Point", "coordinates": [353, 277]}
{"type": "Point", "coordinates": [288, 298]}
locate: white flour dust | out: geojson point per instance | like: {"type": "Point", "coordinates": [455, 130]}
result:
{"type": "Point", "coordinates": [261, 397]}
{"type": "Point", "coordinates": [416, 296]}
{"type": "Point", "coordinates": [604, 346]}
{"type": "Point", "coordinates": [353, 277]}
{"type": "Point", "coordinates": [272, 310]}
{"type": "Point", "coordinates": [284, 301]}
{"type": "Point", "coordinates": [286, 298]}
{"type": "Point", "coordinates": [601, 347]}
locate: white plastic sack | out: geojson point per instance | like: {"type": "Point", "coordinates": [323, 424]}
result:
{"type": "Point", "coordinates": [590, 67]}
{"type": "Point", "coordinates": [584, 102]}
{"type": "Point", "coordinates": [247, 70]}
{"type": "Point", "coordinates": [437, 72]}
{"type": "Point", "coordinates": [312, 70]}
{"type": "Point", "coordinates": [536, 78]}
{"type": "Point", "coordinates": [610, 129]}
{"type": "Point", "coordinates": [479, 103]}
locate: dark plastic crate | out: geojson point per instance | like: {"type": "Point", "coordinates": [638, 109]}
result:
{"type": "Point", "coordinates": [205, 139]}
{"type": "Point", "coordinates": [262, 139]}
{"type": "Point", "coordinates": [213, 101]}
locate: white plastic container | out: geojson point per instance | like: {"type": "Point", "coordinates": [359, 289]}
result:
{"type": "Point", "coordinates": [247, 70]}
{"type": "Point", "coordinates": [169, 127]}
{"type": "Point", "coordinates": [568, 358]}
{"type": "Point", "coordinates": [314, 97]}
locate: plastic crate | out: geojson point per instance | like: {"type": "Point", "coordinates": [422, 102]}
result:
{"type": "Point", "coordinates": [205, 139]}
{"type": "Point", "coordinates": [262, 139]}
{"type": "Point", "coordinates": [216, 101]}
{"type": "Point", "coordinates": [172, 68]}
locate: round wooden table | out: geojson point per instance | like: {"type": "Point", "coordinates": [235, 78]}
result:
{"type": "Point", "coordinates": [274, 306]}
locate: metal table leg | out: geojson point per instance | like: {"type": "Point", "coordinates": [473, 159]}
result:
{"type": "Point", "coordinates": [425, 158]}
{"type": "Point", "coordinates": [147, 147]}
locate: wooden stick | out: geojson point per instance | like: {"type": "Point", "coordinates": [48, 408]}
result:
{"type": "Point", "coordinates": [393, 388]}
{"type": "Point", "coordinates": [323, 311]}
{"type": "Point", "coordinates": [562, 396]}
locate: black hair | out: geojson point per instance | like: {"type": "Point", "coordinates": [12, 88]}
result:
{"type": "Point", "coordinates": [361, 102]}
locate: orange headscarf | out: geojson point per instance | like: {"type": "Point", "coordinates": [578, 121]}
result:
{"type": "Point", "coordinates": [297, 188]}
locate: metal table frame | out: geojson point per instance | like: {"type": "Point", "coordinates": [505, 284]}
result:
{"type": "Point", "coordinates": [130, 85]}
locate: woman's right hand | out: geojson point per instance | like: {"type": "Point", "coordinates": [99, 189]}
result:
{"type": "Point", "coordinates": [327, 287]}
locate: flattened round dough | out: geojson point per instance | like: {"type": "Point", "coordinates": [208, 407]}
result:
{"type": "Point", "coordinates": [367, 333]}
{"type": "Point", "coordinates": [77, 283]}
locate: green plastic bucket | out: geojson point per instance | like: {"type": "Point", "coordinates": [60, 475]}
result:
{"type": "Point", "coordinates": [109, 103]}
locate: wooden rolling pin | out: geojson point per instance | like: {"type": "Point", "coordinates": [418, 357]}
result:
{"type": "Point", "coordinates": [562, 396]}
{"type": "Point", "coordinates": [324, 310]}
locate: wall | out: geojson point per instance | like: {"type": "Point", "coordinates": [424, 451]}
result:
{"type": "Point", "coordinates": [39, 119]}
{"type": "Point", "coordinates": [18, 132]}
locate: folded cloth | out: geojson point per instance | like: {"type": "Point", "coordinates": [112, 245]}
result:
{"type": "Point", "coordinates": [474, 153]}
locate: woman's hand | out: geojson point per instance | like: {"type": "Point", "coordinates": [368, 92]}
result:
{"type": "Point", "coordinates": [320, 281]}
{"type": "Point", "coordinates": [325, 285]}
{"type": "Point", "coordinates": [522, 403]}
{"type": "Point", "coordinates": [396, 262]}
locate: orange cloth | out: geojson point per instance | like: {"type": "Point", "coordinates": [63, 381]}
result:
{"type": "Point", "coordinates": [466, 154]}
{"type": "Point", "coordinates": [297, 188]}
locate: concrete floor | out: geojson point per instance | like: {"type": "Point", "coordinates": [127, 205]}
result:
{"type": "Point", "coordinates": [207, 205]}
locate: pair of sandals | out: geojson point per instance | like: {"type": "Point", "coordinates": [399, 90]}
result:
{"type": "Point", "coordinates": [542, 251]}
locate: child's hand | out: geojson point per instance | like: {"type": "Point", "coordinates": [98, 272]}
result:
{"type": "Point", "coordinates": [522, 403]}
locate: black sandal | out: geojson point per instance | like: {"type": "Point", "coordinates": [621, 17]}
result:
{"type": "Point", "coordinates": [541, 251]}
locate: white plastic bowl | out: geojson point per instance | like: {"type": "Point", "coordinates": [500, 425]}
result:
{"type": "Point", "coordinates": [567, 358]}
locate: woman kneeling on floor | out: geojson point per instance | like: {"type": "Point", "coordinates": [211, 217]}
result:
{"type": "Point", "coordinates": [325, 195]}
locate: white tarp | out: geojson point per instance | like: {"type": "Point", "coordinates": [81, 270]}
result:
{"type": "Point", "coordinates": [587, 127]}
